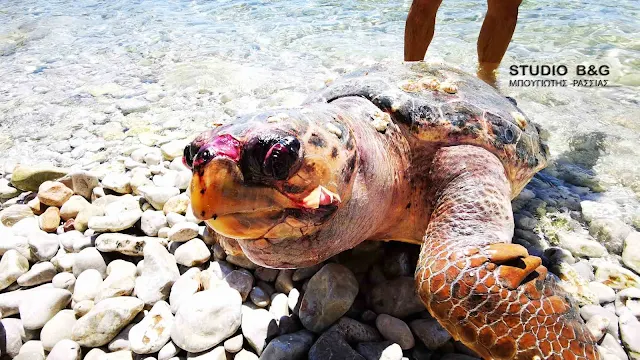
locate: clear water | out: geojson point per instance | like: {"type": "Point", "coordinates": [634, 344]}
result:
{"type": "Point", "coordinates": [65, 64]}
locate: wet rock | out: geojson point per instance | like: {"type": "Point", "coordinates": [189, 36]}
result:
{"type": "Point", "coordinates": [589, 311]}
{"type": "Point", "coordinates": [631, 253]}
{"type": "Point", "coordinates": [193, 330]}
{"type": "Point", "coordinates": [105, 320]}
{"type": "Point", "coordinates": [122, 243]}
{"type": "Point", "coordinates": [216, 353]}
{"type": "Point", "coordinates": [121, 341]}
{"type": "Point", "coordinates": [279, 306]}
{"type": "Point", "coordinates": [610, 233]}
{"type": "Point", "coordinates": [284, 281]}
{"type": "Point", "coordinates": [89, 258]}
{"type": "Point", "coordinates": [616, 277]}
{"type": "Point", "coordinates": [14, 213]}
{"type": "Point", "coordinates": [245, 355]}
{"type": "Point", "coordinates": [398, 263]}
{"type": "Point", "coordinates": [304, 273]}
{"type": "Point", "coordinates": [396, 297]}
{"type": "Point", "coordinates": [630, 333]}
{"type": "Point", "coordinates": [158, 275]}
{"type": "Point", "coordinates": [258, 326]}
{"type": "Point", "coordinates": [13, 333]}
{"type": "Point", "coordinates": [81, 222]}
{"type": "Point", "coordinates": [65, 349]}
{"type": "Point", "coordinates": [354, 331]}
{"type": "Point", "coordinates": [266, 274]}
{"type": "Point", "coordinates": [154, 331]}
{"type": "Point", "coordinates": [39, 273]}
{"type": "Point", "coordinates": [128, 106]}
{"type": "Point", "coordinates": [57, 328]}
{"type": "Point", "coordinates": [120, 281]}
{"type": "Point", "coordinates": [331, 346]}
{"type": "Point", "coordinates": [72, 207]}
{"type": "Point", "coordinates": [234, 344]}
{"type": "Point", "coordinates": [581, 244]}
{"type": "Point", "coordinates": [604, 293]}
{"type": "Point", "coordinates": [29, 178]}
{"type": "Point", "coordinates": [87, 285]}
{"type": "Point", "coordinates": [173, 149]}
{"type": "Point", "coordinates": [119, 183]}
{"type": "Point", "coordinates": [612, 344]}
{"type": "Point", "coordinates": [329, 295]}
{"type": "Point", "coordinates": [186, 285]}
{"type": "Point", "coordinates": [293, 346]}
{"type": "Point", "coordinates": [168, 351]}
{"type": "Point", "coordinates": [81, 182]}
{"type": "Point", "coordinates": [7, 191]}
{"type": "Point", "coordinates": [597, 326]}
{"type": "Point", "coordinates": [32, 350]}
{"type": "Point", "coordinates": [385, 350]}
{"type": "Point", "coordinates": [584, 270]}
{"type": "Point", "coordinates": [592, 210]}
{"type": "Point", "coordinates": [12, 266]}
{"type": "Point", "coordinates": [395, 330]}
{"type": "Point", "coordinates": [193, 253]}
{"type": "Point", "coordinates": [152, 221]}
{"type": "Point", "coordinates": [183, 231]}
{"type": "Point", "coordinates": [83, 307]}
{"type": "Point", "coordinates": [259, 297]}
{"type": "Point", "coordinates": [241, 280]}
{"type": "Point", "coordinates": [242, 261]}
{"type": "Point", "coordinates": [158, 196]}
{"type": "Point", "coordinates": [49, 220]}
{"type": "Point", "coordinates": [54, 193]}
{"type": "Point", "coordinates": [116, 222]}
{"type": "Point", "coordinates": [43, 246]}
{"type": "Point", "coordinates": [177, 204]}
{"type": "Point", "coordinates": [430, 332]}
{"type": "Point", "coordinates": [41, 305]}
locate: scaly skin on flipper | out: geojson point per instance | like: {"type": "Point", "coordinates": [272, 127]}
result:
{"type": "Point", "coordinates": [487, 293]}
{"type": "Point", "coordinates": [394, 154]}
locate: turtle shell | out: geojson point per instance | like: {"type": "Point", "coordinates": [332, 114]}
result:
{"type": "Point", "coordinates": [437, 105]}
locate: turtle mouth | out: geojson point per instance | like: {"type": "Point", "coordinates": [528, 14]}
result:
{"type": "Point", "coordinates": [272, 224]}
{"type": "Point", "coordinates": [234, 209]}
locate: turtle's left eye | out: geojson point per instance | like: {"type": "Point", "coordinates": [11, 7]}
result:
{"type": "Point", "coordinates": [190, 152]}
{"type": "Point", "coordinates": [281, 158]}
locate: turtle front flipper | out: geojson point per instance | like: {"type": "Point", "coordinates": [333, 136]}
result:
{"type": "Point", "coordinates": [486, 292]}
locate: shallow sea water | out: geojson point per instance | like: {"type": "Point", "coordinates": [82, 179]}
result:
{"type": "Point", "coordinates": [64, 65]}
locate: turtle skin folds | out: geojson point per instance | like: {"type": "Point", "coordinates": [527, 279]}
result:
{"type": "Point", "coordinates": [487, 293]}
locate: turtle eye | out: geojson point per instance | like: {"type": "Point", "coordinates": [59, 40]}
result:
{"type": "Point", "coordinates": [190, 152]}
{"type": "Point", "coordinates": [281, 158]}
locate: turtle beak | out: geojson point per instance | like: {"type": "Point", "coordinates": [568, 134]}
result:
{"type": "Point", "coordinates": [233, 209]}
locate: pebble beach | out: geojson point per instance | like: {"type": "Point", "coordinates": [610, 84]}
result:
{"type": "Point", "coordinates": [102, 257]}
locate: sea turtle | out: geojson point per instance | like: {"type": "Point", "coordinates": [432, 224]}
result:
{"type": "Point", "coordinates": [413, 152]}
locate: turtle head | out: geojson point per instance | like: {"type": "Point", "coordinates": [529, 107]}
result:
{"type": "Point", "coordinates": [269, 179]}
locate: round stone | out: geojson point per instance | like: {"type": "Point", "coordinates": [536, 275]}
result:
{"type": "Point", "coordinates": [395, 330]}
{"type": "Point", "coordinates": [329, 295]}
{"type": "Point", "coordinates": [193, 330]}
{"type": "Point", "coordinates": [105, 320]}
{"type": "Point", "coordinates": [154, 331]}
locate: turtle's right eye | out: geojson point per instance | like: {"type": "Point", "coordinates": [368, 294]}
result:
{"type": "Point", "coordinates": [190, 152]}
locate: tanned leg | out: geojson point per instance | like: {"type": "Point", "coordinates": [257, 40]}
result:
{"type": "Point", "coordinates": [495, 35]}
{"type": "Point", "coordinates": [418, 31]}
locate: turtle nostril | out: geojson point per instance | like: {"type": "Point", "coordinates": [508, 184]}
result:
{"type": "Point", "coordinates": [281, 158]}
{"type": "Point", "coordinates": [189, 154]}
